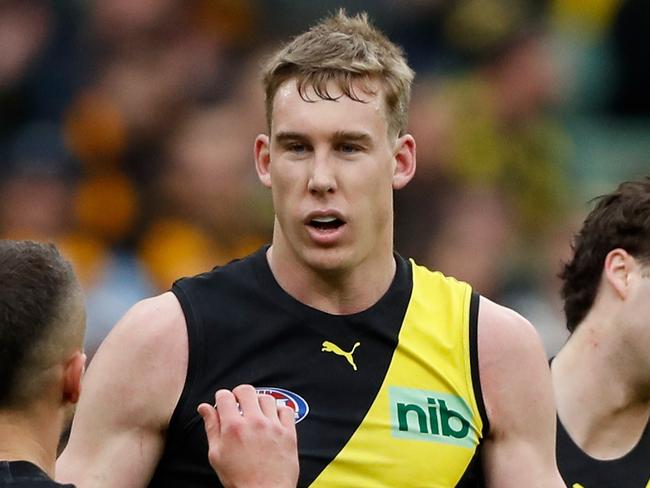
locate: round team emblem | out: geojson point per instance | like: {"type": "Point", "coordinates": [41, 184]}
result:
{"type": "Point", "coordinates": [288, 398]}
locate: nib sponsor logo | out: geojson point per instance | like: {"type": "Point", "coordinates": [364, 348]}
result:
{"type": "Point", "coordinates": [431, 416]}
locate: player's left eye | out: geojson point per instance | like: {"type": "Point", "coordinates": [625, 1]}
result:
{"type": "Point", "coordinates": [348, 148]}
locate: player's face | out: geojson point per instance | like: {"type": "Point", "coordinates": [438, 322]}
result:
{"type": "Point", "coordinates": [332, 168]}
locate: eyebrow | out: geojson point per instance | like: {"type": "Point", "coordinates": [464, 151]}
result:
{"type": "Point", "coordinates": [352, 136]}
{"type": "Point", "coordinates": [283, 137]}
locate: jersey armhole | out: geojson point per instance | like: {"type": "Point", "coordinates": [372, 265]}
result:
{"type": "Point", "coordinates": [194, 360]}
{"type": "Point", "coordinates": [474, 364]}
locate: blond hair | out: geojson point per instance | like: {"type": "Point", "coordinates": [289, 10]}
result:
{"type": "Point", "coordinates": [343, 50]}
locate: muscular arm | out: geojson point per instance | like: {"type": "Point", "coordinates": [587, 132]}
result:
{"type": "Point", "coordinates": [516, 384]}
{"type": "Point", "coordinates": [129, 393]}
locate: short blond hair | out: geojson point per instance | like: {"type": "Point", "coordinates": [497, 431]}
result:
{"type": "Point", "coordinates": [343, 50]}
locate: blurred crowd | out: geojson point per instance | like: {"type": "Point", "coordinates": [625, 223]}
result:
{"type": "Point", "coordinates": [127, 127]}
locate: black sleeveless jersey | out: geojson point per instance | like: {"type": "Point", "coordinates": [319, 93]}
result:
{"type": "Point", "coordinates": [23, 474]}
{"type": "Point", "coordinates": [385, 397]}
{"type": "Point", "coordinates": [579, 470]}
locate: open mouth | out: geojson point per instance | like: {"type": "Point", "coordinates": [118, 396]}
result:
{"type": "Point", "coordinates": [325, 223]}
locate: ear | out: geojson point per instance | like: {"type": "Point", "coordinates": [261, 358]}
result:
{"type": "Point", "coordinates": [72, 374]}
{"type": "Point", "coordinates": [404, 161]}
{"type": "Point", "coordinates": [617, 268]}
{"type": "Point", "coordinates": [262, 151]}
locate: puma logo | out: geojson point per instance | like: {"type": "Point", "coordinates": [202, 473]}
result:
{"type": "Point", "coordinates": [331, 347]}
{"type": "Point", "coordinates": [577, 485]}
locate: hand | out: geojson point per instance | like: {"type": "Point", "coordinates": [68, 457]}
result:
{"type": "Point", "coordinates": [253, 444]}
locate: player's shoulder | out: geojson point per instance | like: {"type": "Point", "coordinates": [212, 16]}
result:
{"type": "Point", "coordinates": [150, 329]}
{"type": "Point", "coordinates": [511, 360]}
{"type": "Point", "coordinates": [155, 318]}
{"type": "Point", "coordinates": [234, 270]}
{"type": "Point", "coordinates": [509, 349]}
{"type": "Point", "coordinates": [502, 329]}
{"type": "Point", "coordinates": [151, 334]}
{"type": "Point", "coordinates": [434, 280]}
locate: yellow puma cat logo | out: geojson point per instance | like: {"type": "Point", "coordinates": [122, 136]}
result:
{"type": "Point", "coordinates": [577, 485]}
{"type": "Point", "coordinates": [331, 347]}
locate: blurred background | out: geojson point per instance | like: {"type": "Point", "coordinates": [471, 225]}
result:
{"type": "Point", "coordinates": [127, 127]}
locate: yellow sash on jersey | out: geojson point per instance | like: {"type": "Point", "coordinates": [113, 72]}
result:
{"type": "Point", "coordinates": [423, 427]}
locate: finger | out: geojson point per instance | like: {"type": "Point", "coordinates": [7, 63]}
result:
{"type": "Point", "coordinates": [247, 398]}
{"type": "Point", "coordinates": [210, 420]}
{"type": "Point", "coordinates": [268, 406]}
{"type": "Point", "coordinates": [226, 405]}
{"type": "Point", "coordinates": [287, 416]}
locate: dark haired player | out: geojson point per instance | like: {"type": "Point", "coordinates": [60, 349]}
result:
{"type": "Point", "coordinates": [602, 375]}
{"type": "Point", "coordinates": [42, 324]}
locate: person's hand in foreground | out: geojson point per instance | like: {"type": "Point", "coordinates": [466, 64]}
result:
{"type": "Point", "coordinates": [252, 441]}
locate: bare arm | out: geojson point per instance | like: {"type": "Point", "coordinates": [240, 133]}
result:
{"type": "Point", "coordinates": [516, 384]}
{"type": "Point", "coordinates": [252, 440]}
{"type": "Point", "coordinates": [129, 393]}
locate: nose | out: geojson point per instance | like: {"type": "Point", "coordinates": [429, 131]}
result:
{"type": "Point", "coordinates": [322, 179]}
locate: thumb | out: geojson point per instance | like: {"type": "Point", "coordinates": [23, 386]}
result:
{"type": "Point", "coordinates": [210, 420]}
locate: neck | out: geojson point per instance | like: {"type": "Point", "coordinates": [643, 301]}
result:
{"type": "Point", "coordinates": [338, 291]}
{"type": "Point", "coordinates": [604, 357]}
{"type": "Point", "coordinates": [602, 397]}
{"type": "Point", "coordinates": [30, 435]}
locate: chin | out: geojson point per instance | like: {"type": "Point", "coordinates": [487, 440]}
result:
{"type": "Point", "coordinates": [332, 259]}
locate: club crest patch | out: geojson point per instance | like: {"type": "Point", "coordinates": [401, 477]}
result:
{"type": "Point", "coordinates": [288, 398]}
